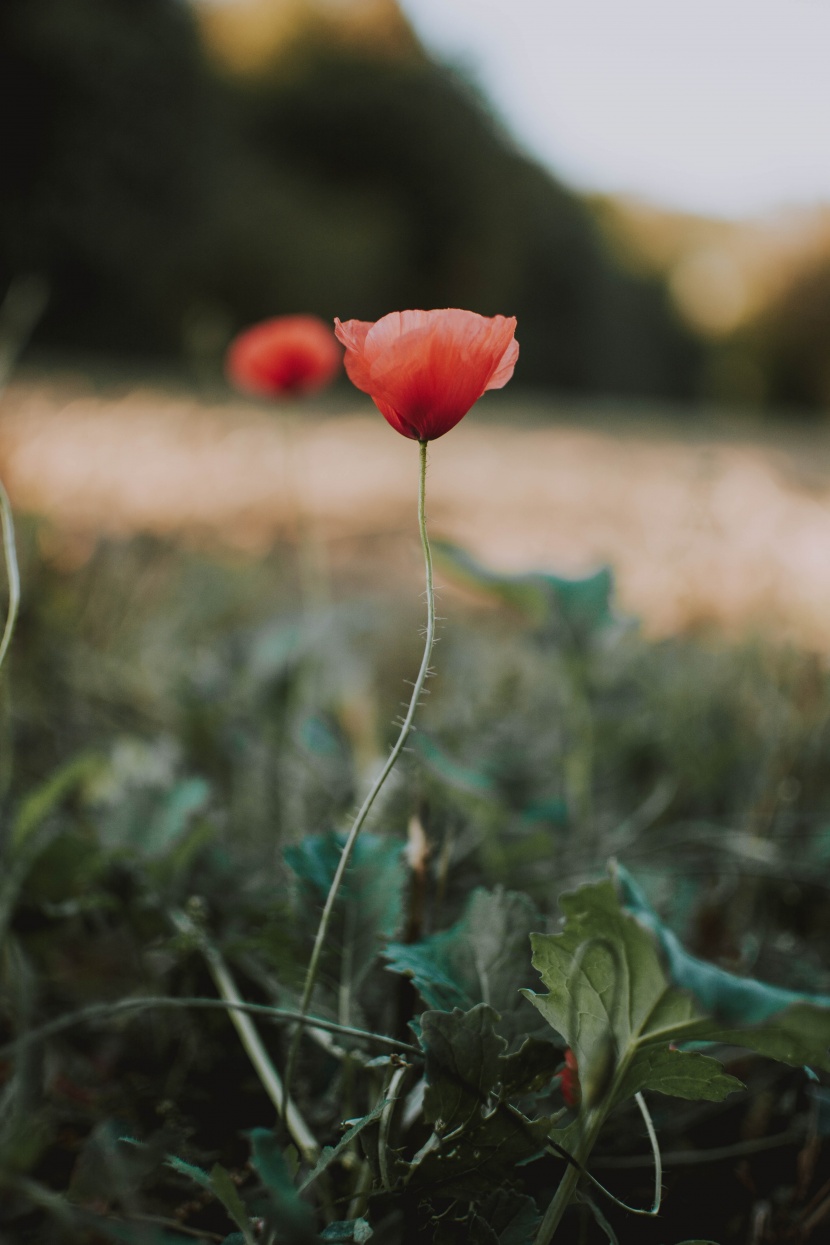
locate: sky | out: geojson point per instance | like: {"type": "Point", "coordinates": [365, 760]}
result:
{"type": "Point", "coordinates": [720, 107]}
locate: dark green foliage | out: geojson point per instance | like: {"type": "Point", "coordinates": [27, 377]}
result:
{"type": "Point", "coordinates": [370, 899]}
{"type": "Point", "coordinates": [573, 608]}
{"type": "Point", "coordinates": [615, 1007]}
{"type": "Point", "coordinates": [184, 740]}
{"type": "Point", "coordinates": [480, 1136]}
{"type": "Point", "coordinates": [281, 1205]}
{"type": "Point", "coordinates": [481, 959]}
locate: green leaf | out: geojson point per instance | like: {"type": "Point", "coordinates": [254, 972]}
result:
{"type": "Point", "coordinates": [44, 799]}
{"type": "Point", "coordinates": [462, 1064]}
{"type": "Point", "coordinates": [346, 1231]}
{"type": "Point", "coordinates": [228, 1194]}
{"type": "Point", "coordinates": [786, 1025]}
{"type": "Point", "coordinates": [369, 906]}
{"type": "Point", "coordinates": [722, 995]}
{"type": "Point", "coordinates": [512, 1216]}
{"type": "Point", "coordinates": [506, 1217]}
{"type": "Point", "coordinates": [194, 1173]}
{"type": "Point", "coordinates": [284, 1207]}
{"type": "Point", "coordinates": [529, 1070]}
{"type": "Point", "coordinates": [484, 783]}
{"type": "Point", "coordinates": [218, 1182]}
{"type": "Point", "coordinates": [582, 605]}
{"type": "Point", "coordinates": [479, 1136]}
{"type": "Point", "coordinates": [610, 999]}
{"type": "Point", "coordinates": [330, 1153]}
{"type": "Point", "coordinates": [481, 959]}
{"type": "Point", "coordinates": [173, 816]}
{"type": "Point", "coordinates": [454, 773]}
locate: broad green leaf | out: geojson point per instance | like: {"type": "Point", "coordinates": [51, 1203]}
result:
{"type": "Point", "coordinates": [284, 1206]}
{"type": "Point", "coordinates": [479, 1136]}
{"type": "Point", "coordinates": [462, 1064]}
{"type": "Point", "coordinates": [610, 999]}
{"type": "Point", "coordinates": [582, 604]}
{"type": "Point", "coordinates": [369, 906]}
{"type": "Point", "coordinates": [481, 959]}
{"type": "Point", "coordinates": [781, 1024]}
{"type": "Point", "coordinates": [722, 995]}
{"type": "Point", "coordinates": [529, 1069]}
{"type": "Point", "coordinates": [330, 1153]}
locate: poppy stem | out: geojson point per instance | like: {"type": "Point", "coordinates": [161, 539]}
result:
{"type": "Point", "coordinates": [357, 825]}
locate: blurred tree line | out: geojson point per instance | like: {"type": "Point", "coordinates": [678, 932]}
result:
{"type": "Point", "coordinates": [168, 204]}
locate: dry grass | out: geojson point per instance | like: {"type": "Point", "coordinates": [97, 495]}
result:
{"type": "Point", "coordinates": [702, 525]}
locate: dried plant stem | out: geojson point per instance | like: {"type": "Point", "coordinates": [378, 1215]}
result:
{"type": "Point", "coordinates": [357, 826]}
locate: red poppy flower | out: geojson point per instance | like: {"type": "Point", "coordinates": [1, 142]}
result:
{"type": "Point", "coordinates": [425, 369]}
{"type": "Point", "coordinates": [283, 356]}
{"type": "Point", "coordinates": [568, 1078]}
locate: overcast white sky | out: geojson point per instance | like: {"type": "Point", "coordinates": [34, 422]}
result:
{"type": "Point", "coordinates": [718, 106]}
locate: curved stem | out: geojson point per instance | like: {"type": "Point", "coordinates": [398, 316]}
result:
{"type": "Point", "coordinates": [106, 1011]}
{"type": "Point", "coordinates": [357, 826]}
{"type": "Point", "coordinates": [12, 573]}
{"type": "Point", "coordinates": [573, 1172]}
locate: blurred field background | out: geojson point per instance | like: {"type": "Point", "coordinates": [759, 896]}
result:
{"type": "Point", "coordinates": [176, 172]}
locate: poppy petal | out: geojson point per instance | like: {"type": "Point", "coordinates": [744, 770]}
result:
{"type": "Point", "coordinates": [425, 369]}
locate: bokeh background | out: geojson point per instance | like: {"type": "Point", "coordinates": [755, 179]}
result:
{"type": "Point", "coordinates": [646, 192]}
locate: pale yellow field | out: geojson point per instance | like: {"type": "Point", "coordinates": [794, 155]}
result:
{"type": "Point", "coordinates": [702, 524]}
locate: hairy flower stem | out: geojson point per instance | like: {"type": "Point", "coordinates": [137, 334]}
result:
{"type": "Point", "coordinates": [357, 826]}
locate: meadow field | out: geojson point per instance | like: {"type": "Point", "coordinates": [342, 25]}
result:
{"type": "Point", "coordinates": [221, 607]}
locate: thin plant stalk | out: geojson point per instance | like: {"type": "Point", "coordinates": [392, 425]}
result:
{"type": "Point", "coordinates": [96, 1012]}
{"type": "Point", "coordinates": [359, 821]}
{"type": "Point", "coordinates": [567, 1186]}
{"type": "Point", "coordinates": [269, 1077]}
{"type": "Point", "coordinates": [12, 572]}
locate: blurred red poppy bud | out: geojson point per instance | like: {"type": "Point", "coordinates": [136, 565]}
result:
{"type": "Point", "coordinates": [568, 1078]}
{"type": "Point", "coordinates": [284, 356]}
{"type": "Point", "coordinates": [425, 369]}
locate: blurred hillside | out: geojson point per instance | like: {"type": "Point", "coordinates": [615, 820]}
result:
{"type": "Point", "coordinates": [170, 198]}
{"type": "Point", "coordinates": [759, 290]}
{"type": "Point", "coordinates": [176, 171]}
